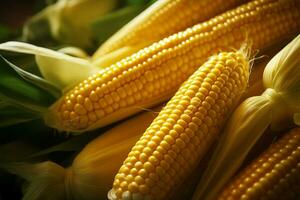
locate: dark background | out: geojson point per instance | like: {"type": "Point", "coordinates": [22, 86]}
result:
{"type": "Point", "coordinates": [13, 14]}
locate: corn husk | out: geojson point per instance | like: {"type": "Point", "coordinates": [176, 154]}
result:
{"type": "Point", "coordinates": [69, 21]}
{"type": "Point", "coordinates": [91, 174]}
{"type": "Point", "coordinates": [279, 102]}
{"type": "Point", "coordinates": [60, 69]}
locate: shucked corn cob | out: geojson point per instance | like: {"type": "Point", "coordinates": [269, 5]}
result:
{"type": "Point", "coordinates": [277, 106]}
{"type": "Point", "coordinates": [273, 175]}
{"type": "Point", "coordinates": [163, 18]}
{"type": "Point", "coordinates": [178, 138]}
{"type": "Point", "coordinates": [91, 174]}
{"type": "Point", "coordinates": [154, 73]}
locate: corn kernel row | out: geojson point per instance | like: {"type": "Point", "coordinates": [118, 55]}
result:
{"type": "Point", "coordinates": [153, 74]}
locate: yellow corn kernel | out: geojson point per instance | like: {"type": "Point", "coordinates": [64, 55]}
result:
{"type": "Point", "coordinates": [277, 107]}
{"type": "Point", "coordinates": [162, 19]}
{"type": "Point", "coordinates": [155, 73]}
{"type": "Point", "coordinates": [273, 175]}
{"type": "Point", "coordinates": [182, 132]}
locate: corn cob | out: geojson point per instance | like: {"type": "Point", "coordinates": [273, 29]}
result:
{"type": "Point", "coordinates": [151, 26]}
{"type": "Point", "coordinates": [273, 175]}
{"type": "Point", "coordinates": [154, 73]}
{"type": "Point", "coordinates": [91, 174]}
{"type": "Point", "coordinates": [277, 107]}
{"type": "Point", "coordinates": [183, 130]}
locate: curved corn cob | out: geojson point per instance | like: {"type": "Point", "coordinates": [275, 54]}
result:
{"type": "Point", "coordinates": [273, 175]}
{"type": "Point", "coordinates": [151, 26]}
{"type": "Point", "coordinates": [97, 163]}
{"type": "Point", "coordinates": [277, 107]}
{"type": "Point", "coordinates": [154, 73]}
{"type": "Point", "coordinates": [177, 139]}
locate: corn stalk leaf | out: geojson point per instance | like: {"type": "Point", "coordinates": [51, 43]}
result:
{"type": "Point", "coordinates": [3, 104]}
{"type": "Point", "coordinates": [16, 91]}
{"type": "Point", "coordinates": [104, 27]}
{"type": "Point", "coordinates": [4, 32]}
{"type": "Point", "coordinates": [139, 2]}
{"type": "Point", "coordinates": [10, 115]}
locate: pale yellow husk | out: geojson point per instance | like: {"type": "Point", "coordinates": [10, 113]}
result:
{"type": "Point", "coordinates": [70, 20]}
{"type": "Point", "coordinates": [91, 174]}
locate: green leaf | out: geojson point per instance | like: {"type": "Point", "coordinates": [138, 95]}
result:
{"type": "Point", "coordinates": [3, 104]}
{"type": "Point", "coordinates": [104, 27]}
{"type": "Point", "coordinates": [18, 92]}
{"type": "Point", "coordinates": [4, 32]}
{"type": "Point", "coordinates": [36, 80]}
{"type": "Point", "coordinates": [138, 2]}
{"type": "Point", "coordinates": [10, 115]}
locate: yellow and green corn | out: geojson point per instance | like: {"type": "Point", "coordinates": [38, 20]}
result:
{"type": "Point", "coordinates": [153, 74]}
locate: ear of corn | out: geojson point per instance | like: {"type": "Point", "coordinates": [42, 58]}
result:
{"type": "Point", "coordinates": [100, 160]}
{"type": "Point", "coordinates": [91, 174]}
{"type": "Point", "coordinates": [150, 25]}
{"type": "Point", "coordinates": [69, 21]}
{"type": "Point", "coordinates": [273, 175]}
{"type": "Point", "coordinates": [154, 73]}
{"type": "Point", "coordinates": [279, 102]}
{"type": "Point", "coordinates": [178, 138]}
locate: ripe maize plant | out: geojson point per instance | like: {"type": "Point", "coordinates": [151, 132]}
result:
{"type": "Point", "coordinates": [276, 106]}
{"type": "Point", "coordinates": [273, 175]}
{"type": "Point", "coordinates": [153, 74]}
{"type": "Point", "coordinates": [150, 25]}
{"type": "Point", "coordinates": [177, 139]}
{"type": "Point", "coordinates": [91, 174]}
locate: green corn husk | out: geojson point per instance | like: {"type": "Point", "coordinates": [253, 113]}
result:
{"type": "Point", "coordinates": [278, 103]}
